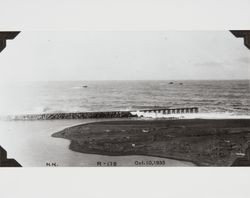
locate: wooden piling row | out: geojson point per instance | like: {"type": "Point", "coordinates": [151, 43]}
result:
{"type": "Point", "coordinates": [172, 110]}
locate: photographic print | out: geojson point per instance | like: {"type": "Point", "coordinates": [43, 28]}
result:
{"type": "Point", "coordinates": [124, 98]}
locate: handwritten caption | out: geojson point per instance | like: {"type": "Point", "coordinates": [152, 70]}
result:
{"type": "Point", "coordinates": [51, 164]}
{"type": "Point", "coordinates": [150, 163]}
{"type": "Point", "coordinates": [99, 163]}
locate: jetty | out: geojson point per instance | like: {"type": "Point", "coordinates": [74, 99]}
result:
{"type": "Point", "coordinates": [171, 110]}
{"type": "Point", "coordinates": [102, 114]}
{"type": "Point", "coordinates": [74, 115]}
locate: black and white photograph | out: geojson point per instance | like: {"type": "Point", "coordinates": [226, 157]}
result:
{"type": "Point", "coordinates": [125, 98]}
{"type": "Point", "coordinates": [128, 99]}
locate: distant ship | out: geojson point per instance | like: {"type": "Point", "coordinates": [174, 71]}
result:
{"type": "Point", "coordinates": [84, 86]}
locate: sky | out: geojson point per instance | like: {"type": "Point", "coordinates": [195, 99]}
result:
{"type": "Point", "coordinates": [131, 55]}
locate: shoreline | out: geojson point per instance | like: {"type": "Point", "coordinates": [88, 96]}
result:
{"type": "Point", "coordinates": [37, 135]}
{"type": "Point", "coordinates": [203, 142]}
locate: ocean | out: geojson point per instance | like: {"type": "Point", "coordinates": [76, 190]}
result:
{"type": "Point", "coordinates": [31, 144]}
{"type": "Point", "coordinates": [224, 98]}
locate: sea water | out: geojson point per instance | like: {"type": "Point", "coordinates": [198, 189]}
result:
{"type": "Point", "coordinates": [31, 144]}
{"type": "Point", "coordinates": [228, 97]}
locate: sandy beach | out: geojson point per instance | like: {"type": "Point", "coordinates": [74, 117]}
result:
{"type": "Point", "coordinates": [204, 142]}
{"type": "Point", "coordinates": [31, 144]}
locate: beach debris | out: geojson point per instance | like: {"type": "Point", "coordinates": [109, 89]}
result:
{"type": "Point", "coordinates": [133, 145]}
{"type": "Point", "coordinates": [181, 83]}
{"type": "Point", "coordinates": [171, 83]}
{"type": "Point", "coordinates": [227, 141]}
{"type": "Point", "coordinates": [145, 131]}
{"type": "Point", "coordinates": [84, 86]}
{"type": "Point", "coordinates": [107, 130]}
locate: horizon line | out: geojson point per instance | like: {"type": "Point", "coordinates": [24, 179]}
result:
{"type": "Point", "coordinates": [123, 80]}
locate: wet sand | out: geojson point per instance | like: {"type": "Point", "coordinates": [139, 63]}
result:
{"type": "Point", "coordinates": [204, 142]}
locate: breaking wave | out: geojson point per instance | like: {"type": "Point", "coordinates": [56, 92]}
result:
{"type": "Point", "coordinates": [215, 115]}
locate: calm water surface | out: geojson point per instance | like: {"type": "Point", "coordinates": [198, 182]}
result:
{"type": "Point", "coordinates": [31, 144]}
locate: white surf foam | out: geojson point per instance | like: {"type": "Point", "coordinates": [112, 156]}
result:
{"type": "Point", "coordinates": [224, 115]}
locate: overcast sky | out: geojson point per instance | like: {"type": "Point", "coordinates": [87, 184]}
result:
{"type": "Point", "coordinates": [46, 56]}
